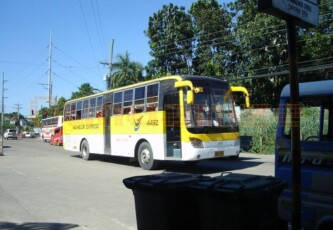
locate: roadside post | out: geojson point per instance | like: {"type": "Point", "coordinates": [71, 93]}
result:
{"type": "Point", "coordinates": [2, 114]}
{"type": "Point", "coordinates": [1, 145]}
{"type": "Point", "coordinates": [302, 13]}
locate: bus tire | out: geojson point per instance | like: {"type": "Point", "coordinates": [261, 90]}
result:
{"type": "Point", "coordinates": [146, 157]}
{"type": "Point", "coordinates": [235, 157]}
{"type": "Point", "coordinates": [190, 163]}
{"type": "Point", "coordinates": [85, 154]}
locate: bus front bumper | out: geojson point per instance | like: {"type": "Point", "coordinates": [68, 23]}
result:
{"type": "Point", "coordinates": [213, 149]}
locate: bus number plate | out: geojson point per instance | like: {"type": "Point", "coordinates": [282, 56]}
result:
{"type": "Point", "coordinates": [219, 154]}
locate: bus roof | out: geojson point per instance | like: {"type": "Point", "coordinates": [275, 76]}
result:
{"type": "Point", "coordinates": [175, 77]}
{"type": "Point", "coordinates": [318, 88]}
{"type": "Point", "coordinates": [50, 118]}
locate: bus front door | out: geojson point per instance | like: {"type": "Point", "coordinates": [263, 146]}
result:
{"type": "Point", "coordinates": [107, 137]}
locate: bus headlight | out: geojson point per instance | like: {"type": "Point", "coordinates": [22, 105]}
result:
{"type": "Point", "coordinates": [237, 142]}
{"type": "Point", "coordinates": [196, 143]}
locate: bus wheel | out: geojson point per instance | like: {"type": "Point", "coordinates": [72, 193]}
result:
{"type": "Point", "coordinates": [85, 154]}
{"type": "Point", "coordinates": [234, 157]}
{"type": "Point", "coordinates": [146, 157]}
{"type": "Point", "coordinates": [190, 163]}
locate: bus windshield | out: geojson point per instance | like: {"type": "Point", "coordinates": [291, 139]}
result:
{"type": "Point", "coordinates": [315, 132]}
{"type": "Point", "coordinates": [213, 110]}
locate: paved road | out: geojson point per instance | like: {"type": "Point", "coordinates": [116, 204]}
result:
{"type": "Point", "coordinates": [45, 187]}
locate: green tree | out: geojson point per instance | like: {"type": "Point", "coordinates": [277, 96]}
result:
{"type": "Point", "coordinates": [60, 105]}
{"type": "Point", "coordinates": [212, 28]}
{"type": "Point", "coordinates": [260, 49]}
{"type": "Point", "coordinates": [125, 71]}
{"type": "Point", "coordinates": [170, 34]}
{"type": "Point", "coordinates": [84, 90]}
{"type": "Point", "coordinates": [314, 44]}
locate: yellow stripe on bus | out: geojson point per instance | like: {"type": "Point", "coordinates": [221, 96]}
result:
{"type": "Point", "coordinates": [209, 137]}
{"type": "Point", "coordinates": [85, 126]}
{"type": "Point", "coordinates": [139, 123]}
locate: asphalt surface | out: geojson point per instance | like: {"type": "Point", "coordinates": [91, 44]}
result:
{"type": "Point", "coordinates": [45, 187]}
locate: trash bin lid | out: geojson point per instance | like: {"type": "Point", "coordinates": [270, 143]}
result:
{"type": "Point", "coordinates": [162, 181]}
{"type": "Point", "coordinates": [240, 185]}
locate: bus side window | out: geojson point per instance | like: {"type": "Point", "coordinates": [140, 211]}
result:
{"type": "Point", "coordinates": [92, 107]}
{"type": "Point", "coordinates": [128, 101]}
{"type": "Point", "coordinates": [99, 107]}
{"type": "Point", "coordinates": [67, 111]}
{"type": "Point", "coordinates": [85, 109]}
{"type": "Point", "coordinates": [139, 99]}
{"type": "Point", "coordinates": [117, 101]}
{"type": "Point", "coordinates": [78, 115]}
{"type": "Point", "coordinates": [73, 109]}
{"type": "Point", "coordinates": [152, 97]}
{"type": "Point", "coordinates": [78, 110]}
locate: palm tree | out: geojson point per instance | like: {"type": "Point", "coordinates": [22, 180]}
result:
{"type": "Point", "coordinates": [84, 90]}
{"type": "Point", "coordinates": [125, 72]}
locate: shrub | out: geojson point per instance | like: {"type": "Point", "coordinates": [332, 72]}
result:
{"type": "Point", "coordinates": [262, 127]}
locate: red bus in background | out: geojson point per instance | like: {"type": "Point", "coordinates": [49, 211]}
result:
{"type": "Point", "coordinates": [48, 126]}
{"type": "Point", "coordinates": [57, 138]}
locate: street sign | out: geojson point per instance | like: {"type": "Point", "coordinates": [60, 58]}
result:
{"type": "Point", "coordinates": [302, 12]}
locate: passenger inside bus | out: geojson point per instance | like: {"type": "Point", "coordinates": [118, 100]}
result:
{"type": "Point", "coordinates": [152, 107]}
{"type": "Point", "coordinates": [139, 108]}
{"type": "Point", "coordinates": [78, 115]}
{"type": "Point", "coordinates": [99, 114]}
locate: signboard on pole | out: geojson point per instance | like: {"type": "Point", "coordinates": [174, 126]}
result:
{"type": "Point", "coordinates": [303, 12]}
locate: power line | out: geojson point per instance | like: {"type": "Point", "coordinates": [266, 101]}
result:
{"type": "Point", "coordinates": [70, 57]}
{"type": "Point", "coordinates": [101, 27]}
{"type": "Point", "coordinates": [286, 72]}
{"type": "Point", "coordinates": [87, 30]}
{"type": "Point", "coordinates": [102, 47]}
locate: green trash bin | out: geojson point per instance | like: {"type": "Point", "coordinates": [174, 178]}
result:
{"type": "Point", "coordinates": [164, 201]}
{"type": "Point", "coordinates": [239, 201]}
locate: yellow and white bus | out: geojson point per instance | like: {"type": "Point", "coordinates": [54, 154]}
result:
{"type": "Point", "coordinates": [183, 118]}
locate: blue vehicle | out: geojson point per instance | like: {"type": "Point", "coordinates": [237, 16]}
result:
{"type": "Point", "coordinates": [316, 142]}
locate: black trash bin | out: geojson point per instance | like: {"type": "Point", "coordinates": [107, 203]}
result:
{"type": "Point", "coordinates": [164, 201]}
{"type": "Point", "coordinates": [239, 201]}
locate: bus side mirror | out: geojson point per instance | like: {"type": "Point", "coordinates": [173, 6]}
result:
{"type": "Point", "coordinates": [243, 90]}
{"type": "Point", "coordinates": [189, 93]}
{"type": "Point", "coordinates": [190, 97]}
{"type": "Point", "coordinates": [247, 101]}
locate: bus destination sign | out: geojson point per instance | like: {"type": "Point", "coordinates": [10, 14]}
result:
{"type": "Point", "coordinates": [303, 12]}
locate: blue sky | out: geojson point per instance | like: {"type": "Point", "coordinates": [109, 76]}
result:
{"type": "Point", "coordinates": [81, 34]}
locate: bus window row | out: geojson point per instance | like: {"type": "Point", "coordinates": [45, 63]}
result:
{"type": "Point", "coordinates": [137, 100]}
{"type": "Point", "coordinates": [88, 108]}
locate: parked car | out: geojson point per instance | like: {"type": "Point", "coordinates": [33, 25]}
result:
{"type": "Point", "coordinates": [56, 138]}
{"type": "Point", "coordinates": [10, 134]}
{"type": "Point", "coordinates": [29, 134]}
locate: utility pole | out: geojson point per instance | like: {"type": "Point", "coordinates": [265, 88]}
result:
{"type": "Point", "coordinates": [109, 63]}
{"type": "Point", "coordinates": [50, 71]}
{"type": "Point", "coordinates": [2, 112]}
{"type": "Point", "coordinates": [18, 107]}
{"type": "Point", "coordinates": [17, 123]}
